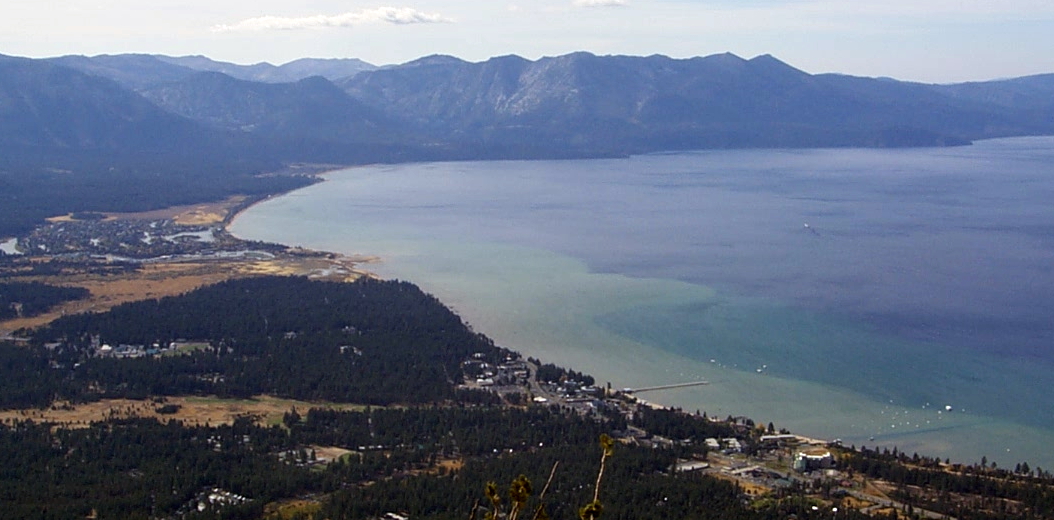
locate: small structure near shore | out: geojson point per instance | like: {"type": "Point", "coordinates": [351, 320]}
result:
{"type": "Point", "coordinates": [812, 459]}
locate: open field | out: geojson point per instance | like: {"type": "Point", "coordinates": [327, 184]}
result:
{"type": "Point", "coordinates": [192, 410]}
{"type": "Point", "coordinates": [159, 278]}
{"type": "Point", "coordinates": [152, 281]}
{"type": "Point", "coordinates": [330, 453]}
{"type": "Point", "coordinates": [290, 509]}
{"type": "Point", "coordinates": [190, 215]}
{"type": "Point", "coordinates": [156, 280]}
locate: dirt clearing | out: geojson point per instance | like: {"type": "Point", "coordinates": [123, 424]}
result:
{"type": "Point", "coordinates": [194, 411]}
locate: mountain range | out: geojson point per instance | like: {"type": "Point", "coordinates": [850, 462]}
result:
{"type": "Point", "coordinates": [135, 131]}
{"type": "Point", "coordinates": [437, 107]}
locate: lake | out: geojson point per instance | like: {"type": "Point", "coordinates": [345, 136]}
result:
{"type": "Point", "coordinates": [884, 297]}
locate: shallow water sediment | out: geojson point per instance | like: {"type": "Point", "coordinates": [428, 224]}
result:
{"type": "Point", "coordinates": [867, 325]}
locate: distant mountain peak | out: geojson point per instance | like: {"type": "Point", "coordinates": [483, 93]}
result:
{"type": "Point", "coordinates": [577, 104]}
{"type": "Point", "coordinates": [725, 61]}
{"type": "Point", "coordinates": [769, 62]}
{"type": "Point", "coordinates": [315, 80]}
{"type": "Point", "coordinates": [727, 57]}
{"type": "Point", "coordinates": [61, 107]}
{"type": "Point", "coordinates": [326, 60]}
{"type": "Point", "coordinates": [200, 62]}
{"type": "Point", "coordinates": [434, 59]}
{"type": "Point", "coordinates": [296, 70]}
{"type": "Point", "coordinates": [509, 58]}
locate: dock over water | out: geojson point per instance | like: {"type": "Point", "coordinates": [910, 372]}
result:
{"type": "Point", "coordinates": [663, 387]}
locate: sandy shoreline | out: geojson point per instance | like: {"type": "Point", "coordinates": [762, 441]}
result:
{"type": "Point", "coordinates": [325, 176]}
{"type": "Point", "coordinates": [555, 307]}
{"type": "Point", "coordinates": [320, 175]}
{"type": "Point", "coordinates": [349, 263]}
{"type": "Point", "coordinates": [183, 273]}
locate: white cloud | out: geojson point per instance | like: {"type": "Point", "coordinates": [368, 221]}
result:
{"type": "Point", "coordinates": [392, 15]}
{"type": "Point", "coordinates": [598, 3]}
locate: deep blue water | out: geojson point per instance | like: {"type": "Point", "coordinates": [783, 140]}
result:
{"type": "Point", "coordinates": [950, 245]}
{"type": "Point", "coordinates": [918, 276]}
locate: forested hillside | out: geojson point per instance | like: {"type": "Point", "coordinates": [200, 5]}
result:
{"type": "Point", "coordinates": [25, 299]}
{"type": "Point", "coordinates": [369, 342]}
{"type": "Point", "coordinates": [422, 449]}
{"type": "Point", "coordinates": [72, 141]}
{"type": "Point", "coordinates": [130, 132]}
{"type": "Point", "coordinates": [148, 469]}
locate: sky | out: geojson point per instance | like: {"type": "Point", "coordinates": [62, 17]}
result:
{"type": "Point", "coordinates": [935, 41]}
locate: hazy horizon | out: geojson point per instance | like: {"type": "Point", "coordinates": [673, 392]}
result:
{"type": "Point", "coordinates": [382, 65]}
{"type": "Point", "coordinates": [943, 41]}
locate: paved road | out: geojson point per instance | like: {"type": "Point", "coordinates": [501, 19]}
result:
{"type": "Point", "coordinates": [5, 335]}
{"type": "Point", "coordinates": [536, 388]}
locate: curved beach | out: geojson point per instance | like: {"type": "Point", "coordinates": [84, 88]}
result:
{"type": "Point", "coordinates": [644, 330]}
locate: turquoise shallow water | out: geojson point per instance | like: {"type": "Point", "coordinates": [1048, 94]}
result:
{"type": "Point", "coordinates": [675, 268]}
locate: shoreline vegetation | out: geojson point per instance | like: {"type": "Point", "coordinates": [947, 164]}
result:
{"type": "Point", "coordinates": [816, 432]}
{"type": "Point", "coordinates": [176, 276]}
{"type": "Point", "coordinates": [323, 176]}
{"type": "Point", "coordinates": [471, 274]}
{"type": "Point", "coordinates": [243, 415]}
{"type": "Point", "coordinates": [224, 214]}
{"type": "Point", "coordinates": [184, 266]}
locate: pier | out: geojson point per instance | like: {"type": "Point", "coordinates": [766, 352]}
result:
{"type": "Point", "coordinates": [663, 387]}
